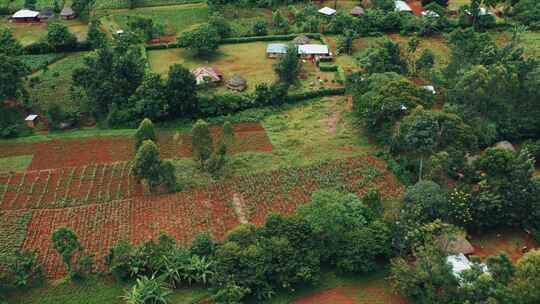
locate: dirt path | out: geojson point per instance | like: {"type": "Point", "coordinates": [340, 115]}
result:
{"type": "Point", "coordinates": [238, 204]}
{"type": "Point", "coordinates": [332, 121]}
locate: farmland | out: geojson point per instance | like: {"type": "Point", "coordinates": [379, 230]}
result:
{"type": "Point", "coordinates": [34, 32]}
{"type": "Point", "coordinates": [14, 5]}
{"type": "Point", "coordinates": [116, 4]}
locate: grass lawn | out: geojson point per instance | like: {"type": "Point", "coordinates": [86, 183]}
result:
{"type": "Point", "coordinates": [54, 83]}
{"type": "Point", "coordinates": [334, 288]}
{"type": "Point", "coordinates": [28, 33]}
{"type": "Point", "coordinates": [455, 4]}
{"type": "Point", "coordinates": [246, 59]}
{"type": "Point", "coordinates": [15, 163]}
{"type": "Point", "coordinates": [96, 291]}
{"type": "Point", "coordinates": [175, 19]}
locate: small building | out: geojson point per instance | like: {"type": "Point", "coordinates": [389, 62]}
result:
{"type": "Point", "coordinates": [207, 76]}
{"type": "Point", "coordinates": [327, 11]}
{"type": "Point", "coordinates": [430, 14]}
{"type": "Point", "coordinates": [402, 6]}
{"type": "Point", "coordinates": [313, 50]}
{"type": "Point", "coordinates": [31, 120]}
{"type": "Point", "coordinates": [67, 13]}
{"type": "Point", "coordinates": [455, 244]}
{"type": "Point", "coordinates": [46, 14]}
{"type": "Point", "coordinates": [237, 83]}
{"type": "Point", "coordinates": [430, 88]}
{"type": "Point", "coordinates": [357, 11]}
{"type": "Point", "coordinates": [25, 16]}
{"type": "Point", "coordinates": [274, 50]}
{"type": "Point", "coordinates": [301, 39]}
{"type": "Point", "coordinates": [119, 32]}
{"type": "Point", "coordinates": [461, 263]}
{"type": "Point", "coordinates": [482, 12]}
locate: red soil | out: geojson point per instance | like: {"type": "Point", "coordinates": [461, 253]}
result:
{"type": "Point", "coordinates": [334, 296]}
{"type": "Point", "coordinates": [514, 242]}
{"type": "Point", "coordinates": [74, 153]}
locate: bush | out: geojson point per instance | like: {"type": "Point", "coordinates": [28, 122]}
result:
{"type": "Point", "coordinates": [23, 270]}
{"type": "Point", "coordinates": [148, 291]}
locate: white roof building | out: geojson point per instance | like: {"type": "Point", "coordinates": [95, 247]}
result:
{"type": "Point", "coordinates": [402, 6]}
{"type": "Point", "coordinates": [483, 12]}
{"type": "Point", "coordinates": [461, 263]}
{"type": "Point", "coordinates": [25, 13]}
{"type": "Point", "coordinates": [327, 11]}
{"type": "Point", "coordinates": [430, 88]}
{"type": "Point", "coordinates": [313, 49]}
{"type": "Point", "coordinates": [429, 13]}
{"type": "Point", "coordinates": [31, 117]}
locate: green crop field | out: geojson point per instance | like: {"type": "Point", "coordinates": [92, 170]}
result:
{"type": "Point", "coordinates": [175, 19]}
{"type": "Point", "coordinates": [53, 84]}
{"type": "Point", "coordinates": [38, 62]}
{"type": "Point", "coordinates": [14, 5]}
{"type": "Point", "coordinates": [116, 4]}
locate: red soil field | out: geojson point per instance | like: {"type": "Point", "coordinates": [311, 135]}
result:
{"type": "Point", "coordinates": [184, 214]}
{"type": "Point", "coordinates": [352, 295]}
{"type": "Point", "coordinates": [55, 154]}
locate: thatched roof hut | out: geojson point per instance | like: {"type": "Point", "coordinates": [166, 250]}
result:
{"type": "Point", "coordinates": [357, 11]}
{"type": "Point", "coordinates": [301, 39]}
{"type": "Point", "coordinates": [67, 13]}
{"type": "Point", "coordinates": [456, 244]}
{"type": "Point", "coordinates": [237, 83]}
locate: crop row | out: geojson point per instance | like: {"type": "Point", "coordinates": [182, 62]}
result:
{"type": "Point", "coordinates": [67, 187]}
{"type": "Point", "coordinates": [215, 208]}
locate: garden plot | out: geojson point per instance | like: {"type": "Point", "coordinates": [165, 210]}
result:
{"type": "Point", "coordinates": [28, 33]}
{"type": "Point", "coordinates": [175, 19]}
{"type": "Point", "coordinates": [53, 85]}
{"type": "Point", "coordinates": [116, 4]}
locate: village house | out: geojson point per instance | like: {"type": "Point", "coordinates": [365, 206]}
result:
{"type": "Point", "coordinates": [327, 11]}
{"type": "Point", "coordinates": [402, 6]}
{"type": "Point", "coordinates": [274, 50]}
{"type": "Point", "coordinates": [317, 52]}
{"type": "Point", "coordinates": [67, 13]}
{"type": "Point", "coordinates": [25, 16]}
{"type": "Point", "coordinates": [207, 76]}
{"type": "Point", "coordinates": [31, 120]}
{"type": "Point", "coordinates": [237, 83]}
{"type": "Point", "coordinates": [301, 39]}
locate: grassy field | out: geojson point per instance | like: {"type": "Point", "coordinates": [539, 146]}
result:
{"type": "Point", "coordinates": [96, 291]}
{"type": "Point", "coordinates": [28, 33]}
{"type": "Point", "coordinates": [175, 19]}
{"type": "Point", "coordinates": [246, 59]}
{"type": "Point", "coordinates": [455, 4]}
{"type": "Point", "coordinates": [15, 163]}
{"type": "Point", "coordinates": [54, 83]}
{"type": "Point", "coordinates": [18, 4]}
{"type": "Point", "coordinates": [115, 4]}
{"type": "Point", "coordinates": [38, 62]}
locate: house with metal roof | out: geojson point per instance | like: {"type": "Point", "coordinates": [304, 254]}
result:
{"type": "Point", "coordinates": [274, 50]}
{"type": "Point", "coordinates": [461, 263]}
{"type": "Point", "coordinates": [313, 49]}
{"type": "Point", "coordinates": [327, 11]}
{"type": "Point", "coordinates": [402, 6]}
{"type": "Point", "coordinates": [25, 15]}
{"type": "Point", "coordinates": [207, 75]}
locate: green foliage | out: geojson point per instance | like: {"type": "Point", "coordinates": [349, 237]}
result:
{"type": "Point", "coordinates": [203, 245]}
{"type": "Point", "coordinates": [11, 77]}
{"type": "Point", "coordinates": [288, 66]}
{"type": "Point", "coordinates": [168, 175]}
{"type": "Point", "coordinates": [96, 37]}
{"type": "Point", "coordinates": [57, 116]}
{"type": "Point", "coordinates": [428, 280]}
{"type": "Point", "coordinates": [65, 242]}
{"type": "Point", "coordinates": [527, 287]}
{"type": "Point", "coordinates": [201, 141]}
{"type": "Point", "coordinates": [147, 164]}
{"type": "Point", "coordinates": [527, 12]}
{"type": "Point", "coordinates": [383, 58]}
{"type": "Point", "coordinates": [146, 131]}
{"type": "Point", "coordinates": [231, 294]}
{"type": "Point", "coordinates": [221, 25]}
{"type": "Point", "coordinates": [180, 92]}
{"type": "Point", "coordinates": [23, 270]}
{"type": "Point", "coordinates": [148, 290]}
{"type": "Point", "coordinates": [60, 38]}
{"type": "Point", "coordinates": [260, 28]}
{"type": "Point", "coordinates": [8, 44]}
{"type": "Point", "coordinates": [204, 41]}
{"type": "Point", "coordinates": [11, 124]}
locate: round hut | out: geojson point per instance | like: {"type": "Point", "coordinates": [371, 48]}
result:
{"type": "Point", "coordinates": [301, 39]}
{"type": "Point", "coordinates": [237, 83]}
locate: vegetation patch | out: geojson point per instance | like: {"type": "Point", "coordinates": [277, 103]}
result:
{"type": "Point", "coordinates": [13, 230]}
{"type": "Point", "coordinates": [15, 163]}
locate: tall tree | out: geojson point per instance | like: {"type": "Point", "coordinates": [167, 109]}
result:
{"type": "Point", "coordinates": [96, 37]}
{"type": "Point", "coordinates": [8, 44]}
{"type": "Point", "coordinates": [288, 66]}
{"type": "Point", "coordinates": [66, 243]}
{"type": "Point", "coordinates": [201, 141]}
{"type": "Point", "coordinates": [146, 131]}
{"type": "Point", "coordinates": [59, 37]}
{"type": "Point", "coordinates": [204, 41]}
{"type": "Point", "coordinates": [181, 92]}
{"type": "Point", "coordinates": [12, 73]}
{"type": "Point", "coordinates": [147, 164]}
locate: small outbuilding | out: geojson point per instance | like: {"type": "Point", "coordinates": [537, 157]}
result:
{"type": "Point", "coordinates": [274, 50]}
{"type": "Point", "coordinates": [357, 11]}
{"type": "Point", "coordinates": [402, 6]}
{"type": "Point", "coordinates": [68, 13]}
{"type": "Point", "coordinates": [25, 16]}
{"type": "Point", "coordinates": [431, 89]}
{"type": "Point", "coordinates": [430, 14]}
{"type": "Point", "coordinates": [31, 120]}
{"type": "Point", "coordinates": [461, 263]}
{"type": "Point", "coordinates": [207, 76]}
{"type": "Point", "coordinates": [46, 14]}
{"type": "Point", "coordinates": [327, 11]}
{"type": "Point", "coordinates": [455, 244]}
{"type": "Point", "coordinates": [237, 83]}
{"type": "Point", "coordinates": [301, 39]}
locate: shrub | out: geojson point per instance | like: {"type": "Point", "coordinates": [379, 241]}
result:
{"type": "Point", "coordinates": [148, 291]}
{"type": "Point", "coordinates": [23, 269]}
